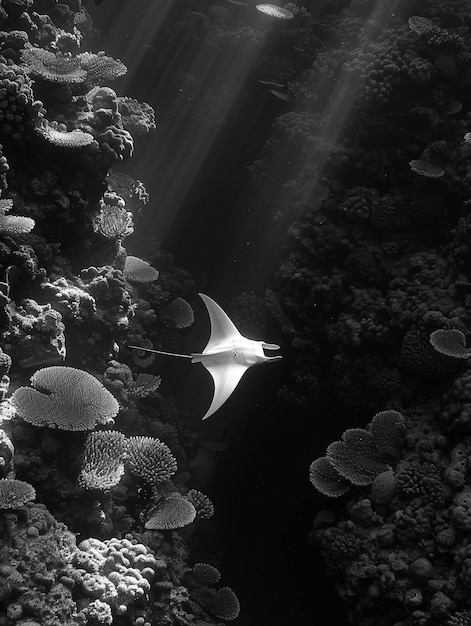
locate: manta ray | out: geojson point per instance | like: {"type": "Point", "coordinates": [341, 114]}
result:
{"type": "Point", "coordinates": [227, 355]}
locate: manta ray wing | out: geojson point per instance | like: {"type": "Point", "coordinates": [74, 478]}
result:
{"type": "Point", "coordinates": [223, 331]}
{"type": "Point", "coordinates": [226, 377]}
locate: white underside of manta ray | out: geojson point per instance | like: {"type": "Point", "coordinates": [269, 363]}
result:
{"type": "Point", "coordinates": [227, 355]}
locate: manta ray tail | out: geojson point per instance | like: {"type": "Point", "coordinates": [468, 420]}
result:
{"type": "Point", "coordinates": [183, 356]}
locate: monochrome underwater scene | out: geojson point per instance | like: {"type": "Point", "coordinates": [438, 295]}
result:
{"type": "Point", "coordinates": [235, 300]}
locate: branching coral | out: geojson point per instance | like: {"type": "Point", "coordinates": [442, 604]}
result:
{"type": "Point", "coordinates": [113, 221]}
{"type": "Point", "coordinates": [150, 459]}
{"type": "Point", "coordinates": [103, 462]}
{"type": "Point", "coordinates": [203, 506]}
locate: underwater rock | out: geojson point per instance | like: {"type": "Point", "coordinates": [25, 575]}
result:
{"type": "Point", "coordinates": [36, 335]}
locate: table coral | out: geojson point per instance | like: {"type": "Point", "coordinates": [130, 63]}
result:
{"type": "Point", "coordinates": [58, 135]}
{"type": "Point", "coordinates": [170, 513]}
{"type": "Point", "coordinates": [137, 270]}
{"type": "Point", "coordinates": [15, 493]}
{"type": "Point", "coordinates": [13, 225]}
{"type": "Point", "coordinates": [65, 398]}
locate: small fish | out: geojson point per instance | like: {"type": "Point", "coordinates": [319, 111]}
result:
{"type": "Point", "coordinates": [452, 107]}
{"type": "Point", "coordinates": [272, 83]}
{"type": "Point", "coordinates": [281, 95]}
{"type": "Point", "coordinates": [227, 355]}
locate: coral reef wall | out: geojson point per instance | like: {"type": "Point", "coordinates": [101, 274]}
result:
{"type": "Point", "coordinates": [372, 295]}
{"type": "Point", "coordinates": [102, 519]}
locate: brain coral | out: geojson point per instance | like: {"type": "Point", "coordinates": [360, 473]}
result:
{"type": "Point", "coordinates": [116, 144]}
{"type": "Point", "coordinates": [114, 571]}
{"type": "Point", "coordinates": [65, 398]}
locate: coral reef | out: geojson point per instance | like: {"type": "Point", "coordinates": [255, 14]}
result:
{"type": "Point", "coordinates": [372, 296]}
{"type": "Point", "coordinates": [91, 503]}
